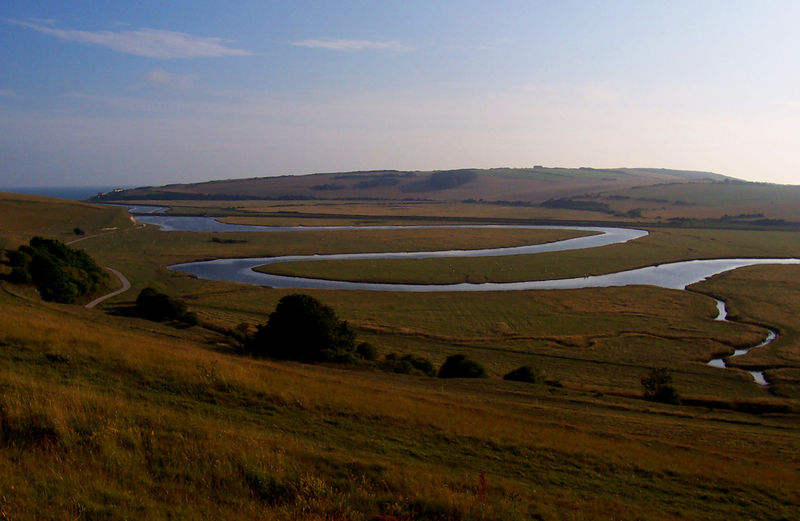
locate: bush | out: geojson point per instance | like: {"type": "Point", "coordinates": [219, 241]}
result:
{"type": "Point", "coordinates": [460, 366]}
{"type": "Point", "coordinates": [159, 307]}
{"type": "Point", "coordinates": [407, 364]}
{"type": "Point", "coordinates": [59, 273]}
{"type": "Point", "coordinates": [304, 329]}
{"type": "Point", "coordinates": [658, 387]}
{"type": "Point", "coordinates": [525, 374]}
{"type": "Point", "coordinates": [190, 319]}
{"type": "Point", "coordinates": [367, 351]}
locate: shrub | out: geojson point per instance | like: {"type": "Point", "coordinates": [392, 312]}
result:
{"type": "Point", "coordinates": [159, 307]}
{"type": "Point", "coordinates": [367, 351]}
{"type": "Point", "coordinates": [658, 387]}
{"type": "Point", "coordinates": [461, 366]}
{"type": "Point", "coordinates": [525, 374]}
{"type": "Point", "coordinates": [303, 328]}
{"type": "Point", "coordinates": [190, 319]}
{"type": "Point", "coordinates": [59, 273]}
{"type": "Point", "coordinates": [407, 364]}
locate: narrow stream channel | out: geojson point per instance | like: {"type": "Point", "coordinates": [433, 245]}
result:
{"type": "Point", "coordinates": [722, 363]}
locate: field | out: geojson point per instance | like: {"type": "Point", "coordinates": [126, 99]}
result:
{"type": "Point", "coordinates": [148, 420]}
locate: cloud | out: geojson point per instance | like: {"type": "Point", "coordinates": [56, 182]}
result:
{"type": "Point", "coordinates": [43, 21]}
{"type": "Point", "coordinates": [162, 78]}
{"type": "Point", "coordinates": [335, 44]}
{"type": "Point", "coordinates": [7, 93]}
{"type": "Point", "coordinates": [152, 43]}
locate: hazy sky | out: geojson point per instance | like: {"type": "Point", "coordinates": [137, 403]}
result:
{"type": "Point", "coordinates": [141, 93]}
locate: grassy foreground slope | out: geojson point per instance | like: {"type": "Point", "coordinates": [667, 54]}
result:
{"type": "Point", "coordinates": [111, 418]}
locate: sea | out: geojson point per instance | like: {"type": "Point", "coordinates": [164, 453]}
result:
{"type": "Point", "coordinates": [76, 193]}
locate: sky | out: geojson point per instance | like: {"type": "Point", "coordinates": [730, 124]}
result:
{"type": "Point", "coordinates": [153, 92]}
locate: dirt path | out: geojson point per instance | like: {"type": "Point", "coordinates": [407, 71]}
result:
{"type": "Point", "coordinates": [126, 285]}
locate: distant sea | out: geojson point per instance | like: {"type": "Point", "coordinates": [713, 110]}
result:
{"type": "Point", "coordinates": [61, 192]}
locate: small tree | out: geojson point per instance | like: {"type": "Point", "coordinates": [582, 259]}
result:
{"type": "Point", "coordinates": [525, 374]}
{"type": "Point", "coordinates": [303, 328]}
{"type": "Point", "coordinates": [156, 306]}
{"type": "Point", "coordinates": [658, 386]}
{"type": "Point", "coordinates": [460, 366]}
{"type": "Point", "coordinates": [407, 364]}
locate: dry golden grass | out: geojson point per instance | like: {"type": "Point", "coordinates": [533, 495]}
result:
{"type": "Point", "coordinates": [133, 420]}
{"type": "Point", "coordinates": [108, 417]}
{"type": "Point", "coordinates": [23, 216]}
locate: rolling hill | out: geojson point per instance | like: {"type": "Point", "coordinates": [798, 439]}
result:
{"type": "Point", "coordinates": [528, 185]}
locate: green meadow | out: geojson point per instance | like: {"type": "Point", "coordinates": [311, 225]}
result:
{"type": "Point", "coordinates": [108, 416]}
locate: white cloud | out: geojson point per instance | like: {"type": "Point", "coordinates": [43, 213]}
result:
{"type": "Point", "coordinates": [152, 43]}
{"type": "Point", "coordinates": [43, 21]}
{"type": "Point", "coordinates": [7, 93]}
{"type": "Point", "coordinates": [162, 78]}
{"type": "Point", "coordinates": [335, 44]}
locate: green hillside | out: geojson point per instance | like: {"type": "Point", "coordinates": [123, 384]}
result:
{"type": "Point", "coordinates": [104, 415]}
{"type": "Point", "coordinates": [529, 185]}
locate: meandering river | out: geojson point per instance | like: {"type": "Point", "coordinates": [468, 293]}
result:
{"type": "Point", "coordinates": [675, 275]}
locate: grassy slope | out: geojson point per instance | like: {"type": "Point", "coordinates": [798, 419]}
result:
{"type": "Point", "coordinates": [708, 200]}
{"type": "Point", "coordinates": [514, 184]}
{"type": "Point", "coordinates": [136, 421]}
{"type": "Point", "coordinates": [23, 216]}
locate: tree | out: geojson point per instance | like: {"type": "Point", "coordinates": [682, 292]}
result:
{"type": "Point", "coordinates": [156, 306]}
{"type": "Point", "coordinates": [525, 374]}
{"type": "Point", "coordinates": [460, 366]}
{"type": "Point", "coordinates": [60, 273]}
{"type": "Point", "coordinates": [658, 386]}
{"type": "Point", "coordinates": [407, 364]}
{"type": "Point", "coordinates": [303, 328]}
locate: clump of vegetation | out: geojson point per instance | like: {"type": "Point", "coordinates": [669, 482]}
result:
{"type": "Point", "coordinates": [525, 373]}
{"type": "Point", "coordinates": [442, 180]}
{"type": "Point", "coordinates": [304, 329]}
{"type": "Point", "coordinates": [658, 387]}
{"type": "Point", "coordinates": [60, 273]}
{"type": "Point", "coordinates": [576, 204]}
{"type": "Point", "coordinates": [407, 364]}
{"type": "Point", "coordinates": [367, 351]}
{"type": "Point", "coordinates": [227, 241]}
{"type": "Point", "coordinates": [461, 366]}
{"type": "Point", "coordinates": [160, 307]}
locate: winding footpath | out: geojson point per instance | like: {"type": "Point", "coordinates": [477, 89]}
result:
{"type": "Point", "coordinates": [126, 285]}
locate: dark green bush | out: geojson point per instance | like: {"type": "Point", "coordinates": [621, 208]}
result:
{"type": "Point", "coordinates": [525, 374]}
{"type": "Point", "coordinates": [407, 364]}
{"type": "Point", "coordinates": [461, 366]}
{"type": "Point", "coordinates": [304, 329]}
{"type": "Point", "coordinates": [367, 351]}
{"type": "Point", "coordinates": [60, 273]}
{"type": "Point", "coordinates": [658, 387]}
{"type": "Point", "coordinates": [190, 319]}
{"type": "Point", "coordinates": [159, 307]}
